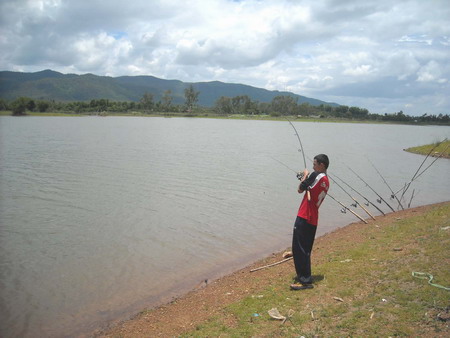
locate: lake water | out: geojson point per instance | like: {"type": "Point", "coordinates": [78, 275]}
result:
{"type": "Point", "coordinates": [102, 217]}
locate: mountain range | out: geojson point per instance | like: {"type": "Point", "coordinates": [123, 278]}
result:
{"type": "Point", "coordinates": [51, 85]}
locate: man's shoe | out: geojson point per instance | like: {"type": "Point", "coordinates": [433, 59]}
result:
{"type": "Point", "coordinates": [301, 286]}
{"type": "Point", "coordinates": [303, 280]}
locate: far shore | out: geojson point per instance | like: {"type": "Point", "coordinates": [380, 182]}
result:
{"type": "Point", "coordinates": [218, 116]}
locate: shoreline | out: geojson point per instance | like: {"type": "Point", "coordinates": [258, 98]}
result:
{"type": "Point", "coordinates": [186, 312]}
{"type": "Point", "coordinates": [225, 117]}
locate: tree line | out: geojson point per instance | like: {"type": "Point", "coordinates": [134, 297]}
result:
{"type": "Point", "coordinates": [146, 104]}
{"type": "Point", "coordinates": [282, 105]}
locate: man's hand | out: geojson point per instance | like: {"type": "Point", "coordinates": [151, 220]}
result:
{"type": "Point", "coordinates": [302, 175]}
{"type": "Point", "coordinates": [305, 174]}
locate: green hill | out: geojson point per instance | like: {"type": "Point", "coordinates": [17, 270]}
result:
{"type": "Point", "coordinates": [51, 85]}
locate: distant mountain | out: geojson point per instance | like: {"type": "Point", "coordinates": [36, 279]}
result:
{"type": "Point", "coordinates": [51, 85]}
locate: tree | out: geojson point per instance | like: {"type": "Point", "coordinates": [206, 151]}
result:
{"type": "Point", "coordinates": [167, 100]}
{"type": "Point", "coordinates": [191, 97]}
{"type": "Point", "coordinates": [147, 101]}
{"type": "Point", "coordinates": [248, 106]}
{"type": "Point", "coordinates": [43, 106]}
{"type": "Point", "coordinates": [3, 105]}
{"type": "Point", "coordinates": [304, 109]}
{"type": "Point", "coordinates": [96, 105]}
{"type": "Point", "coordinates": [31, 105]}
{"type": "Point", "coordinates": [284, 104]}
{"type": "Point", "coordinates": [358, 112]}
{"type": "Point", "coordinates": [341, 111]}
{"type": "Point", "coordinates": [223, 105]}
{"type": "Point", "coordinates": [19, 106]}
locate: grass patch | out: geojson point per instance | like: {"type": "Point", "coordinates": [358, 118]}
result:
{"type": "Point", "coordinates": [425, 149]}
{"type": "Point", "coordinates": [373, 277]}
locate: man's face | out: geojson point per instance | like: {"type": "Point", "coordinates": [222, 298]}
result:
{"type": "Point", "coordinates": [318, 166]}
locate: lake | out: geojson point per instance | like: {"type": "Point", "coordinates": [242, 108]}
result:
{"type": "Point", "coordinates": [103, 217]}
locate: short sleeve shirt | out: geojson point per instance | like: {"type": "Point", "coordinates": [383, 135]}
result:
{"type": "Point", "coordinates": [317, 184]}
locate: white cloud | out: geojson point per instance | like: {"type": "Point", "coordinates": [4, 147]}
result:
{"type": "Point", "coordinates": [362, 70]}
{"type": "Point", "coordinates": [431, 72]}
{"type": "Point", "coordinates": [378, 54]}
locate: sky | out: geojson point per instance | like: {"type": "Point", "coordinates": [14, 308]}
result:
{"type": "Point", "coordinates": [383, 55]}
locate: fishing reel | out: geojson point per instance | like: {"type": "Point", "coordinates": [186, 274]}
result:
{"type": "Point", "coordinates": [301, 175]}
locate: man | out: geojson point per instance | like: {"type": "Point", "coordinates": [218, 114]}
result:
{"type": "Point", "coordinates": [316, 187]}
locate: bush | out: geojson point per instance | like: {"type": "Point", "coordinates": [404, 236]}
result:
{"type": "Point", "coordinates": [19, 106]}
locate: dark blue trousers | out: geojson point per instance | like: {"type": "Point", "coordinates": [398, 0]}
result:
{"type": "Point", "coordinates": [302, 244]}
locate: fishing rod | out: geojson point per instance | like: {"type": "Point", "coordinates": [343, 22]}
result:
{"type": "Point", "coordinates": [365, 198]}
{"type": "Point", "coordinates": [437, 158]}
{"type": "Point", "coordinates": [356, 202]}
{"type": "Point", "coordinates": [412, 196]}
{"type": "Point", "coordinates": [301, 147]}
{"type": "Point", "coordinates": [387, 184]}
{"type": "Point", "coordinates": [415, 177]}
{"type": "Point", "coordinates": [347, 208]}
{"type": "Point", "coordinates": [300, 175]}
{"type": "Point", "coordinates": [380, 198]}
{"type": "Point", "coordinates": [418, 169]}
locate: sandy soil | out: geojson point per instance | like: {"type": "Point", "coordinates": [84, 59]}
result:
{"type": "Point", "coordinates": [184, 313]}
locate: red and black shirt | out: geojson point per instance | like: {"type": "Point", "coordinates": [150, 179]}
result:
{"type": "Point", "coordinates": [317, 184]}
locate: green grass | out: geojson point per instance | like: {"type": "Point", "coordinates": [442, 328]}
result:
{"type": "Point", "coordinates": [381, 298]}
{"type": "Point", "coordinates": [425, 149]}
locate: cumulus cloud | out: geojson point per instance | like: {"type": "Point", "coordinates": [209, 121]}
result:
{"type": "Point", "coordinates": [383, 55]}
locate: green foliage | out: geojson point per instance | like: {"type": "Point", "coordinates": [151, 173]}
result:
{"type": "Point", "coordinates": [285, 105]}
{"type": "Point", "coordinates": [3, 105]}
{"type": "Point", "coordinates": [147, 102]}
{"type": "Point", "coordinates": [19, 106]}
{"type": "Point", "coordinates": [43, 106]}
{"type": "Point", "coordinates": [191, 97]}
{"type": "Point", "coordinates": [167, 98]}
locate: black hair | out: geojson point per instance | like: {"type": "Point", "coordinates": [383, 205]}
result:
{"type": "Point", "coordinates": [322, 158]}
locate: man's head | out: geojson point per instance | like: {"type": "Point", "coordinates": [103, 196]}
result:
{"type": "Point", "coordinates": [321, 163]}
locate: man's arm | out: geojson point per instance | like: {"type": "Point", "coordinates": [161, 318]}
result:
{"type": "Point", "coordinates": [302, 188]}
